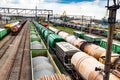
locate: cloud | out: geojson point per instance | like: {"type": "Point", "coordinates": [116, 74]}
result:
{"type": "Point", "coordinates": [95, 8]}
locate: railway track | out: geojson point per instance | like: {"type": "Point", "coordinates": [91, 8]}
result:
{"type": "Point", "coordinates": [4, 40]}
{"type": "Point", "coordinates": [26, 66]}
{"type": "Point", "coordinates": [12, 55]}
{"type": "Point", "coordinates": [5, 46]}
{"type": "Point", "coordinates": [2, 25]}
{"type": "Point", "coordinates": [15, 70]}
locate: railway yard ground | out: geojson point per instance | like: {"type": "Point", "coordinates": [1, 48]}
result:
{"type": "Point", "coordinates": [15, 57]}
{"type": "Point", "coordinates": [74, 40]}
{"type": "Point", "coordinates": [21, 46]}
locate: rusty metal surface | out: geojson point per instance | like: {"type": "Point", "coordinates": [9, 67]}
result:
{"type": "Point", "coordinates": [116, 72]}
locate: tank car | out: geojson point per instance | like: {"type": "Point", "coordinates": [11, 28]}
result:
{"type": "Point", "coordinates": [91, 49]}
{"type": "Point", "coordinates": [10, 25]}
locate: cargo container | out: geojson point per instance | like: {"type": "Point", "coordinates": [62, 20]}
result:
{"type": "Point", "coordinates": [45, 60]}
{"type": "Point", "coordinates": [105, 33]}
{"type": "Point", "coordinates": [4, 32]}
{"type": "Point", "coordinates": [79, 34]}
{"type": "Point", "coordinates": [115, 45]}
{"type": "Point", "coordinates": [64, 52]}
{"type": "Point", "coordinates": [103, 43]}
{"type": "Point", "coordinates": [53, 39]}
{"type": "Point", "coordinates": [92, 38]}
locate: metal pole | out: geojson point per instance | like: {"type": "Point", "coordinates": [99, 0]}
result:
{"type": "Point", "coordinates": [36, 13]}
{"type": "Point", "coordinates": [107, 2]}
{"type": "Point", "coordinates": [111, 21]}
{"type": "Point", "coordinates": [108, 52]}
{"type": "Point", "coordinates": [48, 33]}
{"type": "Point", "coordinates": [82, 19]}
{"type": "Point", "coordinates": [48, 19]}
{"type": "Point", "coordinates": [91, 20]}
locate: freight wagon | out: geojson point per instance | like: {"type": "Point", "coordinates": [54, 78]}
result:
{"type": "Point", "coordinates": [88, 37]}
{"type": "Point", "coordinates": [115, 45]}
{"type": "Point", "coordinates": [4, 32]}
{"type": "Point", "coordinates": [16, 28]}
{"type": "Point", "coordinates": [97, 31]}
{"type": "Point", "coordinates": [42, 63]}
{"type": "Point", "coordinates": [10, 25]}
{"type": "Point", "coordinates": [68, 58]}
{"type": "Point", "coordinates": [79, 34]}
{"type": "Point", "coordinates": [89, 48]}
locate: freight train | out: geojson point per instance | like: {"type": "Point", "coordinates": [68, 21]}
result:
{"type": "Point", "coordinates": [10, 25]}
{"type": "Point", "coordinates": [93, 30]}
{"type": "Point", "coordinates": [42, 63]}
{"type": "Point", "coordinates": [4, 32]}
{"type": "Point", "coordinates": [74, 60]}
{"type": "Point", "coordinates": [101, 41]}
{"type": "Point", "coordinates": [16, 28]}
{"type": "Point", "coordinates": [89, 48]}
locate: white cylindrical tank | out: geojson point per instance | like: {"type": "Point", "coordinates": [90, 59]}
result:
{"type": "Point", "coordinates": [85, 66]}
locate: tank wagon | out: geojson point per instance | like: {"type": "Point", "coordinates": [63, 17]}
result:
{"type": "Point", "coordinates": [10, 25]}
{"type": "Point", "coordinates": [75, 61]}
{"type": "Point", "coordinates": [90, 48]}
{"type": "Point", "coordinates": [85, 65]}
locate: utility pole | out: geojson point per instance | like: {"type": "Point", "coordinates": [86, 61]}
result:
{"type": "Point", "coordinates": [48, 19]}
{"type": "Point", "coordinates": [82, 19]}
{"type": "Point", "coordinates": [48, 32]}
{"type": "Point", "coordinates": [111, 20]}
{"type": "Point", "coordinates": [36, 13]}
{"type": "Point", "coordinates": [91, 20]}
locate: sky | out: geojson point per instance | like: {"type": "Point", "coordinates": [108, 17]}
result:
{"type": "Point", "coordinates": [72, 7]}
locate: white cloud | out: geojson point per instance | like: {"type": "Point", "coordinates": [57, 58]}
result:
{"type": "Point", "coordinates": [95, 8]}
{"type": "Point", "coordinates": [96, 1]}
